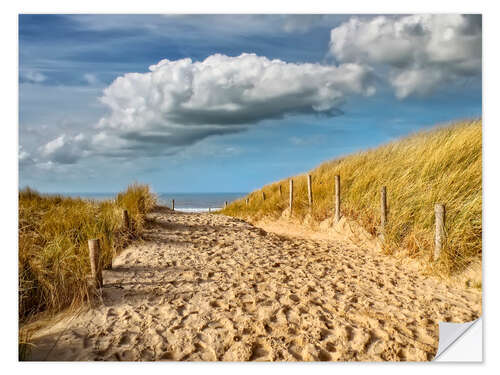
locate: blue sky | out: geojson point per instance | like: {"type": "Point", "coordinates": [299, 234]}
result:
{"type": "Point", "coordinates": [308, 89]}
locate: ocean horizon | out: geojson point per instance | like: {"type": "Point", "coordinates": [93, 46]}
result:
{"type": "Point", "coordinates": [185, 202]}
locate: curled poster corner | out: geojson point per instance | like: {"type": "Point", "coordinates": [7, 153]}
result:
{"type": "Point", "coordinates": [466, 339]}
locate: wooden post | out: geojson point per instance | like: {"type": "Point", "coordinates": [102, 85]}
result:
{"type": "Point", "coordinates": [337, 198]}
{"type": "Point", "coordinates": [383, 207]}
{"type": "Point", "coordinates": [309, 191]}
{"type": "Point", "coordinates": [209, 209]}
{"type": "Point", "coordinates": [94, 254]}
{"type": "Point", "coordinates": [126, 220]}
{"type": "Point", "coordinates": [225, 204]}
{"type": "Point", "coordinates": [173, 204]}
{"type": "Point", "coordinates": [291, 196]}
{"type": "Point", "coordinates": [440, 213]}
{"type": "Point", "coordinates": [246, 200]}
{"type": "Point", "coordinates": [263, 196]}
{"type": "Point", "coordinates": [281, 193]}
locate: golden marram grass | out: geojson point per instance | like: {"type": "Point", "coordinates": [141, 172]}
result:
{"type": "Point", "coordinates": [53, 251]}
{"type": "Point", "coordinates": [442, 165]}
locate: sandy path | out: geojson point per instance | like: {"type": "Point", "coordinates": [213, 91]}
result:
{"type": "Point", "coordinates": [210, 287]}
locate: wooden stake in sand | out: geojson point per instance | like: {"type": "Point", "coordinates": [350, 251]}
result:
{"type": "Point", "coordinates": [209, 209]}
{"type": "Point", "coordinates": [263, 196]}
{"type": "Point", "coordinates": [225, 204]}
{"type": "Point", "coordinates": [94, 254]}
{"type": "Point", "coordinates": [126, 220]}
{"type": "Point", "coordinates": [173, 204]}
{"type": "Point", "coordinates": [440, 213]}
{"type": "Point", "coordinates": [291, 196]}
{"type": "Point", "coordinates": [383, 207]}
{"type": "Point", "coordinates": [309, 191]}
{"type": "Point", "coordinates": [281, 193]}
{"type": "Point", "coordinates": [246, 200]}
{"type": "Point", "coordinates": [337, 198]}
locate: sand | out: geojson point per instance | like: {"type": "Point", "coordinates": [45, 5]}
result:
{"type": "Point", "coordinates": [205, 287]}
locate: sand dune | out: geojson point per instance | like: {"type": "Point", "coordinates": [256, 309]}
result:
{"type": "Point", "coordinates": [205, 287]}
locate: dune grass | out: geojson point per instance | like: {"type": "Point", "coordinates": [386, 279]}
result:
{"type": "Point", "coordinates": [53, 250]}
{"type": "Point", "coordinates": [442, 165]}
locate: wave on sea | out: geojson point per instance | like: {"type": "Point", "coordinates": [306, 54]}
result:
{"type": "Point", "coordinates": [190, 209]}
{"type": "Point", "coordinates": [198, 202]}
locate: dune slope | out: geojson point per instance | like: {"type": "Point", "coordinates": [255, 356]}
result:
{"type": "Point", "coordinates": [441, 165]}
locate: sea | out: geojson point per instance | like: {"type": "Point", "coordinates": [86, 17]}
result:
{"type": "Point", "coordinates": [185, 202]}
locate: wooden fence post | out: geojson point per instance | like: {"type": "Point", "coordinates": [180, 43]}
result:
{"type": "Point", "coordinates": [246, 200]}
{"type": "Point", "coordinates": [209, 210]}
{"type": "Point", "coordinates": [225, 204]}
{"type": "Point", "coordinates": [309, 191]}
{"type": "Point", "coordinates": [291, 196]}
{"type": "Point", "coordinates": [94, 254]}
{"type": "Point", "coordinates": [281, 193]}
{"type": "Point", "coordinates": [383, 207]}
{"type": "Point", "coordinates": [263, 196]}
{"type": "Point", "coordinates": [126, 220]}
{"type": "Point", "coordinates": [173, 204]}
{"type": "Point", "coordinates": [440, 213]}
{"type": "Point", "coordinates": [337, 198]}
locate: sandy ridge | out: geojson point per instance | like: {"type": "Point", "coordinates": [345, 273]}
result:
{"type": "Point", "coordinates": [210, 287]}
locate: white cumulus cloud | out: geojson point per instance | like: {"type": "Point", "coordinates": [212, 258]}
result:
{"type": "Point", "coordinates": [178, 103]}
{"type": "Point", "coordinates": [223, 90]}
{"type": "Point", "coordinates": [422, 52]}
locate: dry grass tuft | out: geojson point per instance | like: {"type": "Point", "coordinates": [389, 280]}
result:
{"type": "Point", "coordinates": [442, 165]}
{"type": "Point", "coordinates": [53, 252]}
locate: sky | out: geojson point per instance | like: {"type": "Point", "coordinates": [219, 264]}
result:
{"type": "Point", "coordinates": [228, 103]}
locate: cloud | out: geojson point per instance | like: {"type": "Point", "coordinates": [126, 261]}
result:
{"type": "Point", "coordinates": [32, 76]}
{"type": "Point", "coordinates": [65, 149]}
{"type": "Point", "coordinates": [25, 158]}
{"type": "Point", "coordinates": [422, 52]}
{"type": "Point", "coordinates": [90, 78]}
{"type": "Point", "coordinates": [223, 90]}
{"type": "Point", "coordinates": [180, 102]}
